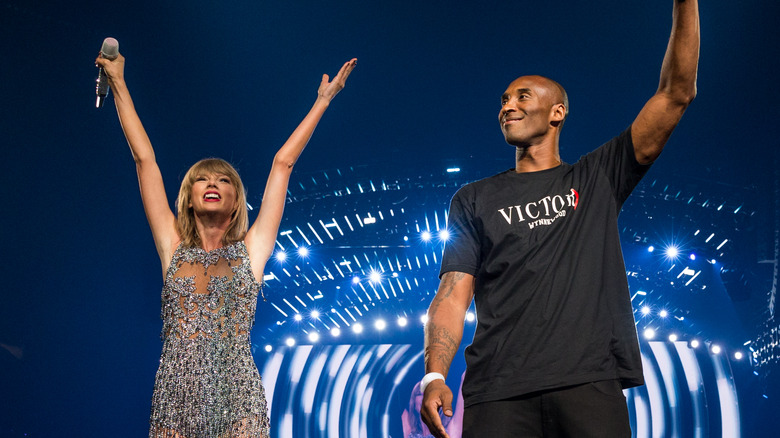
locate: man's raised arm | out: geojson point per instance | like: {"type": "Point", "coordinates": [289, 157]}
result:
{"type": "Point", "coordinates": [677, 86]}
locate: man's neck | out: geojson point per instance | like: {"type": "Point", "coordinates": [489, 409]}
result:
{"type": "Point", "coordinates": [538, 157]}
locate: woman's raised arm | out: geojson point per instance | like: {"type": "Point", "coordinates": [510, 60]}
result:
{"type": "Point", "coordinates": [262, 235]}
{"type": "Point", "coordinates": [158, 212]}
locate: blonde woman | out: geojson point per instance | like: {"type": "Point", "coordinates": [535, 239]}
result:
{"type": "Point", "coordinates": [207, 384]}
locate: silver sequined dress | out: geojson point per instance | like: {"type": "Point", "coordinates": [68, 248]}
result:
{"type": "Point", "coordinates": [207, 385]}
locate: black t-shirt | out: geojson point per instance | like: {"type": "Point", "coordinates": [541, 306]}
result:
{"type": "Point", "coordinates": [552, 300]}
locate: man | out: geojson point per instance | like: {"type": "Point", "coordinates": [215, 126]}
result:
{"type": "Point", "coordinates": [537, 248]}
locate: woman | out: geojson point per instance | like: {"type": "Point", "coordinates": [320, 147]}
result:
{"type": "Point", "coordinates": [207, 384]}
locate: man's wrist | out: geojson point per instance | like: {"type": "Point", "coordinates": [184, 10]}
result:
{"type": "Point", "coordinates": [428, 378]}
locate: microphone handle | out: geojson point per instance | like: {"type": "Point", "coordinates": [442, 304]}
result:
{"type": "Point", "coordinates": [101, 89]}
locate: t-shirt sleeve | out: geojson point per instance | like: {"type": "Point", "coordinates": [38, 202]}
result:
{"type": "Point", "coordinates": [461, 251]}
{"type": "Point", "coordinates": [617, 160]}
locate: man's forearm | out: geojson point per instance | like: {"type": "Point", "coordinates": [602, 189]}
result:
{"type": "Point", "coordinates": [444, 329]}
{"type": "Point", "coordinates": [680, 65]}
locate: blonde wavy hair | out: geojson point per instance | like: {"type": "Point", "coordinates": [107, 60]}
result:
{"type": "Point", "coordinates": [185, 218]}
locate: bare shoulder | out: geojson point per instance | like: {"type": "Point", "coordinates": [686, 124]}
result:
{"type": "Point", "coordinates": [166, 250]}
{"type": "Point", "coordinates": [258, 256]}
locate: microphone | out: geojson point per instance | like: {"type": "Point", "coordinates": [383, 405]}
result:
{"type": "Point", "coordinates": [110, 50]}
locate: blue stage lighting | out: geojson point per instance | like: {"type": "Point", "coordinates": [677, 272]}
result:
{"type": "Point", "coordinates": [444, 235]}
{"type": "Point", "coordinates": [375, 276]}
{"type": "Point", "coordinates": [650, 248]}
{"type": "Point", "coordinates": [425, 236]}
{"type": "Point", "coordinates": [715, 349]}
{"type": "Point", "coordinates": [663, 313]}
{"type": "Point", "coordinates": [298, 317]}
{"type": "Point", "coordinates": [738, 355]}
{"type": "Point", "coordinates": [380, 324]}
{"type": "Point", "coordinates": [268, 348]}
{"type": "Point", "coordinates": [646, 310]}
{"type": "Point", "coordinates": [649, 333]}
{"type": "Point", "coordinates": [303, 251]}
{"type": "Point", "coordinates": [692, 256]}
{"type": "Point", "coordinates": [694, 343]}
{"type": "Point", "coordinates": [470, 316]}
{"type": "Point", "coordinates": [281, 256]}
{"type": "Point", "coordinates": [336, 332]}
{"type": "Point", "coordinates": [672, 338]}
{"type": "Point", "coordinates": [290, 342]}
{"type": "Point", "coordinates": [315, 314]}
{"type": "Point", "coordinates": [355, 280]}
{"type": "Point", "coordinates": [314, 337]}
{"type": "Point", "coordinates": [672, 252]}
{"type": "Point", "coordinates": [402, 321]}
{"type": "Point", "coordinates": [357, 328]}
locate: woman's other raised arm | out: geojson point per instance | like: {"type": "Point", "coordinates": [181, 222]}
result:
{"type": "Point", "coordinates": [158, 212]}
{"type": "Point", "coordinates": [262, 235]}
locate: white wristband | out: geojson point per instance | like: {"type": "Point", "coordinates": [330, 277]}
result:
{"type": "Point", "coordinates": [430, 377]}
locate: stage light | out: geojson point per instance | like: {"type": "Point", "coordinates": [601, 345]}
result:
{"type": "Point", "coordinates": [453, 169]}
{"type": "Point", "coordinates": [663, 314]}
{"type": "Point", "coordinates": [303, 251]}
{"type": "Point", "coordinates": [402, 321]}
{"type": "Point", "coordinates": [425, 236]}
{"type": "Point", "coordinates": [406, 238]}
{"type": "Point", "coordinates": [268, 348]}
{"type": "Point", "coordinates": [298, 317]}
{"type": "Point", "coordinates": [336, 332]}
{"type": "Point", "coordinates": [694, 343]}
{"type": "Point", "coordinates": [290, 342]}
{"type": "Point", "coordinates": [357, 328]}
{"type": "Point", "coordinates": [650, 248]}
{"type": "Point", "coordinates": [672, 338]}
{"type": "Point", "coordinates": [314, 337]}
{"type": "Point", "coordinates": [470, 316]}
{"type": "Point", "coordinates": [692, 256]}
{"type": "Point", "coordinates": [374, 276]}
{"type": "Point", "coordinates": [355, 280]}
{"type": "Point", "coordinates": [380, 324]}
{"type": "Point", "coordinates": [672, 252]}
{"type": "Point", "coordinates": [424, 319]}
{"type": "Point", "coordinates": [281, 256]}
{"type": "Point", "coordinates": [715, 349]}
{"type": "Point", "coordinates": [315, 314]}
{"type": "Point", "coordinates": [645, 310]}
{"type": "Point", "coordinates": [738, 355]}
{"type": "Point", "coordinates": [444, 235]}
{"type": "Point", "coordinates": [649, 333]}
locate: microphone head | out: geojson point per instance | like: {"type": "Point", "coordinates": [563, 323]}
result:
{"type": "Point", "coordinates": [110, 49]}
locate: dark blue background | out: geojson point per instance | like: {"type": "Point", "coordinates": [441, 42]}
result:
{"type": "Point", "coordinates": [80, 294]}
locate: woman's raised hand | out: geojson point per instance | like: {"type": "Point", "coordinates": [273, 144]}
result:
{"type": "Point", "coordinates": [114, 68]}
{"type": "Point", "coordinates": [328, 89]}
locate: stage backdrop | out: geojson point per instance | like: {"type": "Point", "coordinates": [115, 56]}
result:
{"type": "Point", "coordinates": [368, 390]}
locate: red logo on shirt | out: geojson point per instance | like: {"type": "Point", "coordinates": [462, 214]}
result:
{"type": "Point", "coordinates": [576, 198]}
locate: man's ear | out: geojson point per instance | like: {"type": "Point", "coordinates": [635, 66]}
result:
{"type": "Point", "coordinates": [558, 112]}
